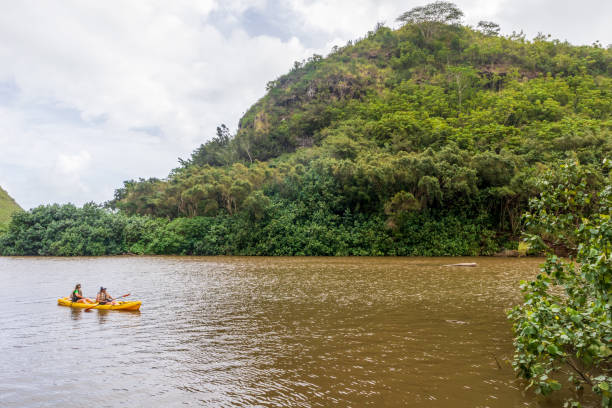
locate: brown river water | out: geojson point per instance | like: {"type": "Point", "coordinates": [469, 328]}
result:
{"type": "Point", "coordinates": [263, 332]}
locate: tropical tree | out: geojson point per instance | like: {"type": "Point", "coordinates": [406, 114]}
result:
{"type": "Point", "coordinates": [488, 28]}
{"type": "Point", "coordinates": [563, 330]}
{"type": "Point", "coordinates": [428, 17]}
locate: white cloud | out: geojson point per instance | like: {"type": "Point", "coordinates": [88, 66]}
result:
{"type": "Point", "coordinates": [134, 87]}
{"type": "Point", "coordinates": [110, 91]}
{"type": "Point", "coordinates": [70, 168]}
{"type": "Point", "coordinates": [73, 163]}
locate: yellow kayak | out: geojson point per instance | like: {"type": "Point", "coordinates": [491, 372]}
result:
{"type": "Point", "coordinates": [127, 305]}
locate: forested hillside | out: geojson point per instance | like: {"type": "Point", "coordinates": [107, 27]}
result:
{"type": "Point", "coordinates": [7, 207]}
{"type": "Point", "coordinates": [424, 140]}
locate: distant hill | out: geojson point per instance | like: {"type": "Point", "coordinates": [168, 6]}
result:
{"type": "Point", "coordinates": [7, 207]}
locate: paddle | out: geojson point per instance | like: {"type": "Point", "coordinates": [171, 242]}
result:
{"type": "Point", "coordinates": [96, 304]}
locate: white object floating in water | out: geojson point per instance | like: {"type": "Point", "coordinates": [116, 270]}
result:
{"type": "Point", "coordinates": [455, 321]}
{"type": "Point", "coordinates": [464, 264]}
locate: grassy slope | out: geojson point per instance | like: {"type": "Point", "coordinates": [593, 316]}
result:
{"type": "Point", "coordinates": [7, 207]}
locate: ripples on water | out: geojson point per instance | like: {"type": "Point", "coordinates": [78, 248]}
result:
{"type": "Point", "coordinates": [272, 332]}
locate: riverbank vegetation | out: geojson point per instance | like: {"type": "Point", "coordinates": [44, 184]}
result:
{"type": "Point", "coordinates": [424, 140]}
{"type": "Point", "coordinates": [563, 330]}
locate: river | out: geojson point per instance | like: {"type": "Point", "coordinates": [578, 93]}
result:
{"type": "Point", "coordinates": [265, 332]}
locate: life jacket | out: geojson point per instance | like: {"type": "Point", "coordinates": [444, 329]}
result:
{"type": "Point", "coordinates": [74, 296]}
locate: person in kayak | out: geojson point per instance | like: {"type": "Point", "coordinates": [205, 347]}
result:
{"type": "Point", "coordinates": [77, 295]}
{"type": "Point", "coordinates": [104, 298]}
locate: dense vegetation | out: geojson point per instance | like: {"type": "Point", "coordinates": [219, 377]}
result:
{"type": "Point", "coordinates": [564, 328]}
{"type": "Point", "coordinates": [7, 207]}
{"type": "Point", "coordinates": [425, 140]}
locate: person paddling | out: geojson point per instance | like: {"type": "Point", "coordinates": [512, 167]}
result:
{"type": "Point", "coordinates": [104, 298]}
{"type": "Point", "coordinates": [77, 295]}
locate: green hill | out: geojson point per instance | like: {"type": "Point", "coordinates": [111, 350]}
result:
{"type": "Point", "coordinates": [432, 132]}
{"type": "Point", "coordinates": [425, 140]}
{"type": "Point", "coordinates": [7, 207]}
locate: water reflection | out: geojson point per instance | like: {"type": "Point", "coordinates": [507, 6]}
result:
{"type": "Point", "coordinates": [75, 313]}
{"type": "Point", "coordinates": [103, 315]}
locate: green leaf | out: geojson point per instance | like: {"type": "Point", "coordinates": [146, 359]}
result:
{"type": "Point", "coordinates": [554, 385]}
{"type": "Point", "coordinates": [553, 350]}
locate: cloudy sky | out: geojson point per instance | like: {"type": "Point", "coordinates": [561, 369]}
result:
{"type": "Point", "coordinates": [96, 92]}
